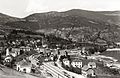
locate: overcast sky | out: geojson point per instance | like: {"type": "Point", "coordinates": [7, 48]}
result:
{"type": "Point", "coordinates": [21, 8]}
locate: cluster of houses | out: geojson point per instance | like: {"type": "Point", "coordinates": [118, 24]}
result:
{"type": "Point", "coordinates": [29, 63]}
{"type": "Point", "coordinates": [24, 62]}
{"type": "Point", "coordinates": [24, 66]}
{"type": "Point", "coordinates": [26, 55]}
{"type": "Point", "coordinates": [110, 63]}
{"type": "Point", "coordinates": [21, 54]}
{"type": "Point", "coordinates": [86, 67]}
{"type": "Point", "coordinates": [106, 61]}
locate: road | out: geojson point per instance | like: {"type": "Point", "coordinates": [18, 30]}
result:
{"type": "Point", "coordinates": [55, 71]}
{"type": "Point", "coordinates": [60, 72]}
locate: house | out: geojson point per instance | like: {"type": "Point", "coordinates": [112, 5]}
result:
{"type": "Point", "coordinates": [35, 59]}
{"type": "Point", "coordinates": [92, 65]}
{"type": "Point", "coordinates": [24, 66]}
{"type": "Point", "coordinates": [52, 57]}
{"type": "Point", "coordinates": [7, 52]}
{"type": "Point", "coordinates": [86, 71]}
{"type": "Point", "coordinates": [15, 52]}
{"type": "Point", "coordinates": [25, 48]}
{"type": "Point", "coordinates": [8, 60]}
{"type": "Point", "coordinates": [66, 62]}
{"type": "Point", "coordinates": [77, 63]}
{"type": "Point", "coordinates": [107, 62]}
{"type": "Point", "coordinates": [42, 50]}
{"type": "Point", "coordinates": [2, 36]}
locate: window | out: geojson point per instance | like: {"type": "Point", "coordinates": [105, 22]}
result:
{"type": "Point", "coordinates": [73, 77]}
{"type": "Point", "coordinates": [37, 63]}
{"type": "Point", "coordinates": [24, 70]}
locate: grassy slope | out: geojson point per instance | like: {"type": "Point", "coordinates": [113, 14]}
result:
{"type": "Point", "coordinates": [10, 73]}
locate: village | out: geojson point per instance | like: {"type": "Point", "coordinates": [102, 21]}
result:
{"type": "Point", "coordinates": [32, 55]}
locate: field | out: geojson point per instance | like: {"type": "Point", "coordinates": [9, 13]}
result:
{"type": "Point", "coordinates": [10, 73]}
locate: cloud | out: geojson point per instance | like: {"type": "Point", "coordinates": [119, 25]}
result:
{"type": "Point", "coordinates": [62, 5]}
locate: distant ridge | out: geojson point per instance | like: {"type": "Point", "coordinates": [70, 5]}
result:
{"type": "Point", "coordinates": [5, 18]}
{"type": "Point", "coordinates": [42, 20]}
{"type": "Point", "coordinates": [75, 20]}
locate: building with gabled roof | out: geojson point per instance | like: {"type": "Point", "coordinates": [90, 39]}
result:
{"type": "Point", "coordinates": [25, 48]}
{"type": "Point", "coordinates": [88, 71]}
{"type": "Point", "coordinates": [24, 66]}
{"type": "Point", "coordinates": [92, 65]}
{"type": "Point", "coordinates": [8, 60]}
{"type": "Point", "coordinates": [66, 62]}
{"type": "Point", "coordinates": [77, 63]}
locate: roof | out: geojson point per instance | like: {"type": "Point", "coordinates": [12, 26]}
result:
{"type": "Point", "coordinates": [92, 63]}
{"type": "Point", "coordinates": [24, 47]}
{"type": "Point", "coordinates": [83, 60]}
{"type": "Point", "coordinates": [36, 56]}
{"type": "Point", "coordinates": [65, 59]}
{"type": "Point", "coordinates": [24, 63]}
{"type": "Point", "coordinates": [15, 49]}
{"type": "Point", "coordinates": [85, 68]}
{"type": "Point", "coordinates": [77, 60]}
{"type": "Point", "coordinates": [21, 57]}
{"type": "Point", "coordinates": [9, 56]}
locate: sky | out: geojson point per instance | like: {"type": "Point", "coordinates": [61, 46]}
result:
{"type": "Point", "coordinates": [22, 8]}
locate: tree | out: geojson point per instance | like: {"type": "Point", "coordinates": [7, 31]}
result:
{"type": "Point", "coordinates": [21, 52]}
{"type": "Point", "coordinates": [91, 51]}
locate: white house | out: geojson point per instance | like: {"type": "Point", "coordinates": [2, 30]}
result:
{"type": "Point", "coordinates": [7, 52]}
{"type": "Point", "coordinates": [8, 60]}
{"type": "Point", "coordinates": [24, 66]}
{"type": "Point", "coordinates": [108, 64]}
{"type": "Point", "coordinates": [15, 52]}
{"type": "Point", "coordinates": [66, 62]}
{"type": "Point", "coordinates": [92, 65]}
{"type": "Point", "coordinates": [34, 60]}
{"type": "Point", "coordinates": [77, 63]}
{"type": "Point", "coordinates": [52, 57]}
{"type": "Point", "coordinates": [25, 48]}
{"type": "Point", "coordinates": [88, 71]}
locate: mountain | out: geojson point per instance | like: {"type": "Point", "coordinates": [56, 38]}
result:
{"type": "Point", "coordinates": [60, 19]}
{"type": "Point", "coordinates": [5, 18]}
{"type": "Point", "coordinates": [106, 16]}
{"type": "Point", "coordinates": [54, 19]}
{"type": "Point", "coordinates": [73, 23]}
{"type": "Point", "coordinates": [26, 25]}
